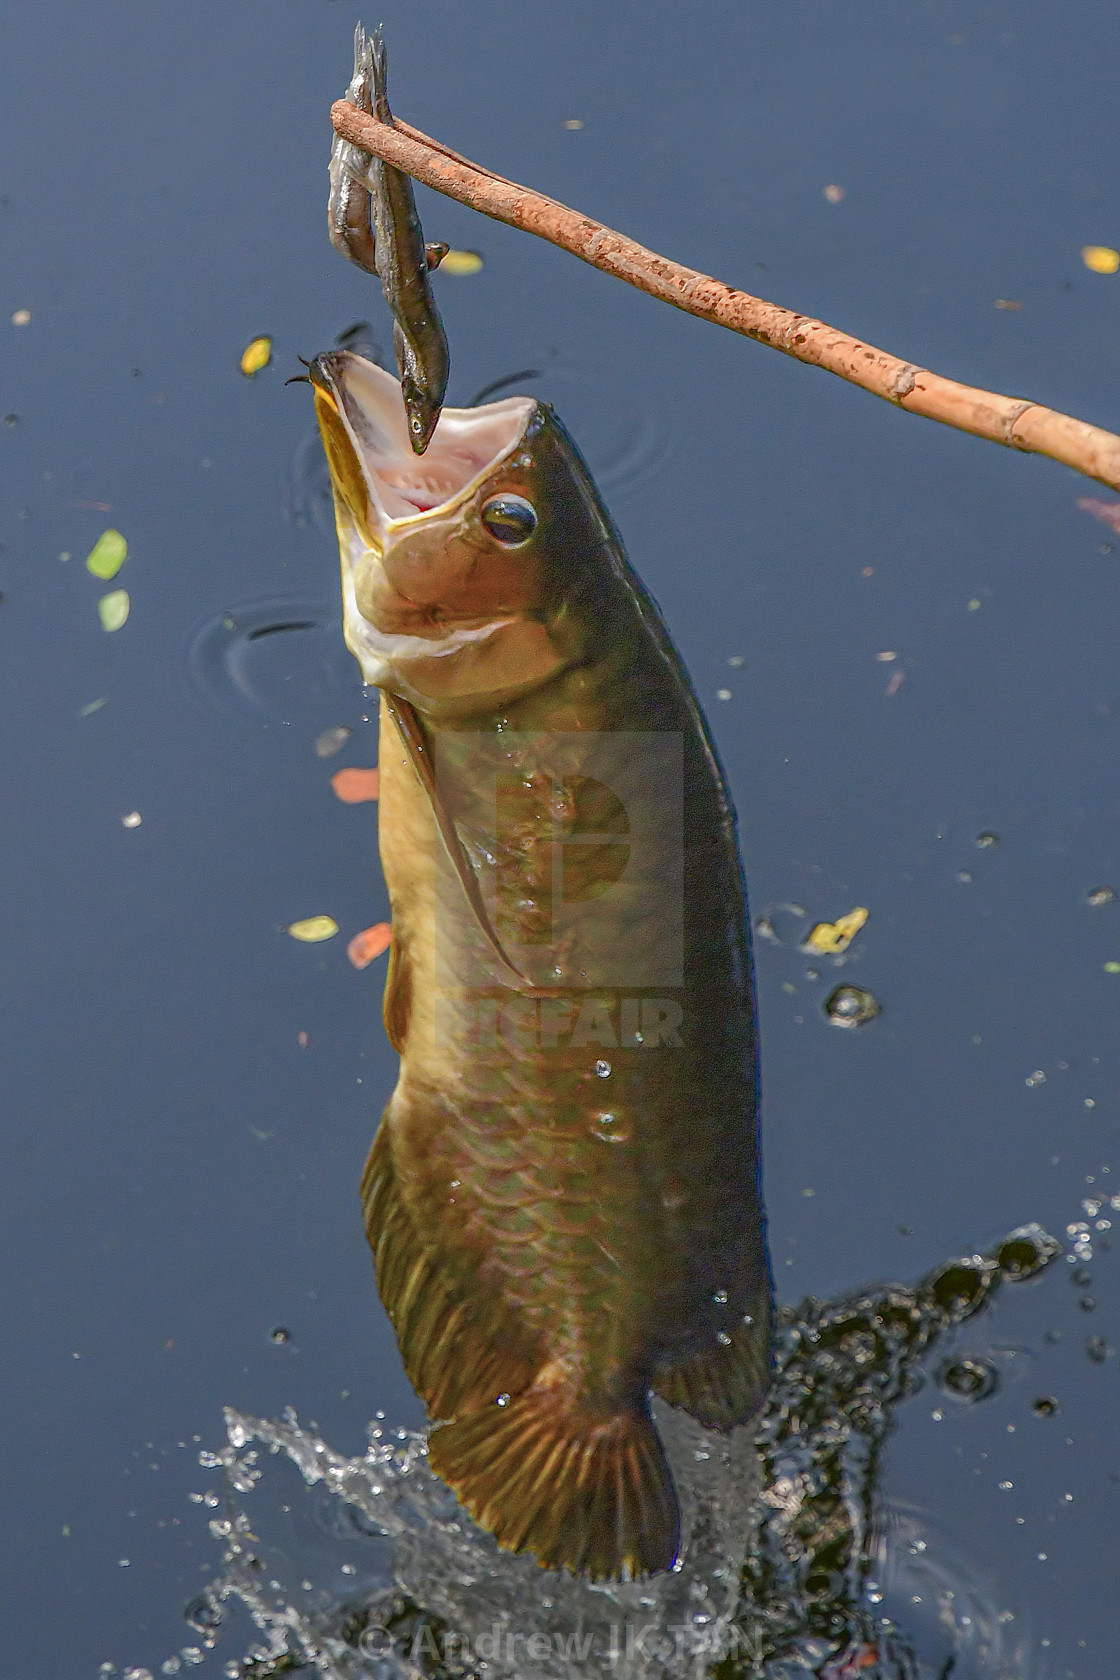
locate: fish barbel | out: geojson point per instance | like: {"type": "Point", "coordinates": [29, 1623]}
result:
{"type": "Point", "coordinates": [563, 1197]}
{"type": "Point", "coordinates": [372, 220]}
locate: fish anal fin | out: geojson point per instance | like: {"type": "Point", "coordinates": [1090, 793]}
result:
{"type": "Point", "coordinates": [459, 1349]}
{"type": "Point", "coordinates": [726, 1386]}
{"type": "Point", "coordinates": [583, 1489]}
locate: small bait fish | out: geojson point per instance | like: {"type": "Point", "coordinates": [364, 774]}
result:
{"type": "Point", "coordinates": [372, 220]}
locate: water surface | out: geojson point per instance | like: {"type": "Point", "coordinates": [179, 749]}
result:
{"type": "Point", "coordinates": [190, 1093]}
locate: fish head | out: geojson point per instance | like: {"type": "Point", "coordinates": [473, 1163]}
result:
{"type": "Point", "coordinates": [467, 573]}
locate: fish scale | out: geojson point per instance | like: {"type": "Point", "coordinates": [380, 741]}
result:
{"type": "Point", "coordinates": [563, 1198]}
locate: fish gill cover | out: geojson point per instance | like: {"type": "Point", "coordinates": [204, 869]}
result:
{"type": "Point", "coordinates": [792, 1565]}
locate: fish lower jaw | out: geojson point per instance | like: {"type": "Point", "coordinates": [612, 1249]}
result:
{"type": "Point", "coordinates": [385, 656]}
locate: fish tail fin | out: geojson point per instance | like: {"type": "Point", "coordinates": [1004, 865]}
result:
{"type": "Point", "coordinates": [586, 1490]}
{"type": "Point", "coordinates": [725, 1387]}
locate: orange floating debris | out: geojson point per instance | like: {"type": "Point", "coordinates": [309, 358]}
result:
{"type": "Point", "coordinates": [354, 786]}
{"type": "Point", "coordinates": [369, 943]}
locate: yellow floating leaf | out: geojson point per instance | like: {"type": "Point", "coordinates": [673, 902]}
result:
{"type": "Point", "coordinates": [313, 929]}
{"type": "Point", "coordinates": [113, 609]}
{"type": "Point", "coordinates": [828, 939]}
{"type": "Point", "coordinates": [256, 356]}
{"type": "Point", "coordinates": [107, 555]}
{"type": "Point", "coordinates": [1102, 259]}
{"type": "Point", "coordinates": [461, 262]}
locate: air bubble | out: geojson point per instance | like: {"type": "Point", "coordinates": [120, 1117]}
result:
{"type": "Point", "coordinates": [1045, 1406]}
{"type": "Point", "coordinates": [603, 1069]}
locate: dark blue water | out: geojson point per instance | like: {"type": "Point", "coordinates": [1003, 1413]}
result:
{"type": "Point", "coordinates": [181, 1172]}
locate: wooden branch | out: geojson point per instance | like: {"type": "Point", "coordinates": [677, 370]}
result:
{"type": "Point", "coordinates": [1016, 422]}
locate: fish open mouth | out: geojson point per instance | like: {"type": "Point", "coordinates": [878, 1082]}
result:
{"type": "Point", "coordinates": [365, 430]}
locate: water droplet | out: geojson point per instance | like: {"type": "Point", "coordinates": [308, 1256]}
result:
{"type": "Point", "coordinates": [850, 1006]}
{"type": "Point", "coordinates": [603, 1069]}
{"type": "Point", "coordinates": [720, 1297]}
{"type": "Point", "coordinates": [1038, 1077]}
{"type": "Point", "coordinates": [203, 1614]}
{"type": "Point", "coordinates": [1087, 1303]}
{"type": "Point", "coordinates": [280, 1334]}
{"type": "Point", "coordinates": [1097, 1349]}
{"type": "Point", "coordinates": [968, 1379]}
{"type": "Point", "coordinates": [502, 1400]}
{"type": "Point", "coordinates": [961, 1287]}
{"type": "Point", "coordinates": [987, 839]}
{"type": "Point", "coordinates": [131, 819]}
{"type": "Point", "coordinates": [1045, 1406]}
{"type": "Point", "coordinates": [11, 419]}
{"type": "Point", "coordinates": [723, 1338]}
{"type": "Point", "coordinates": [1026, 1251]}
{"type": "Point", "coordinates": [1099, 896]}
{"type": "Point", "coordinates": [608, 1129]}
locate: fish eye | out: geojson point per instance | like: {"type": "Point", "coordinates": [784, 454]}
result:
{"type": "Point", "coordinates": [510, 519]}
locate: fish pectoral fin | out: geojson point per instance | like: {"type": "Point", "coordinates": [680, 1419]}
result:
{"type": "Point", "coordinates": [412, 738]}
{"type": "Point", "coordinates": [584, 1489]}
{"type": "Point", "coordinates": [396, 1008]}
{"type": "Point", "coordinates": [724, 1387]}
{"type": "Point", "coordinates": [459, 1349]}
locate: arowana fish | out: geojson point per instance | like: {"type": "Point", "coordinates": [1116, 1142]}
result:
{"type": "Point", "coordinates": [563, 1196]}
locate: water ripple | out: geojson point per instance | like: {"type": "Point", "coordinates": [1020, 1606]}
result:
{"type": "Point", "coordinates": [278, 658]}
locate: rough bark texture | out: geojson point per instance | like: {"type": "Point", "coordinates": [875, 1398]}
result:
{"type": "Point", "coordinates": [1016, 422]}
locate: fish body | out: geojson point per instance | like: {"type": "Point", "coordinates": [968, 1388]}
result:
{"type": "Point", "coordinates": [372, 220]}
{"type": "Point", "coordinates": [563, 1197]}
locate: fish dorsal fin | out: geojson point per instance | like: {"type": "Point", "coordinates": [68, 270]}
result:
{"type": "Point", "coordinates": [412, 737]}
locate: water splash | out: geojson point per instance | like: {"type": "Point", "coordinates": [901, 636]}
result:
{"type": "Point", "coordinates": [791, 1566]}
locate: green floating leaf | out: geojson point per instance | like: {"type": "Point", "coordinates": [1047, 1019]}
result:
{"type": "Point", "coordinates": [113, 609]}
{"type": "Point", "coordinates": [107, 555]}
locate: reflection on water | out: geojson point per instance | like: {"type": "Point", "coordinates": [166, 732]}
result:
{"type": "Point", "coordinates": [792, 1567]}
